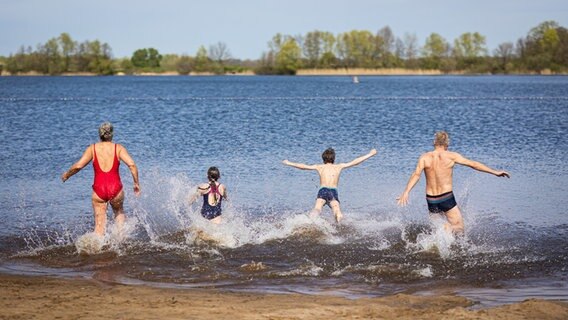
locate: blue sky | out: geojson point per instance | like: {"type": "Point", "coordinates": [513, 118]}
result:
{"type": "Point", "coordinates": [175, 26]}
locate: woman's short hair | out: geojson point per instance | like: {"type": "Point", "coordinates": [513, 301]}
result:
{"type": "Point", "coordinates": [106, 131]}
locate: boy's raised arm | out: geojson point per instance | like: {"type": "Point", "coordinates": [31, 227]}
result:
{"type": "Point", "coordinates": [360, 159]}
{"type": "Point", "coordinates": [299, 165]}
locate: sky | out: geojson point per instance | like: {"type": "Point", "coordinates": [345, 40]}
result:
{"type": "Point", "coordinates": [246, 26]}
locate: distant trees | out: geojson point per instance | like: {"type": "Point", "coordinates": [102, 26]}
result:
{"type": "Point", "coordinates": [468, 49]}
{"type": "Point", "coordinates": [435, 51]}
{"type": "Point", "coordinates": [318, 49]}
{"type": "Point", "coordinates": [386, 41]}
{"type": "Point", "coordinates": [219, 54]}
{"type": "Point", "coordinates": [146, 58]}
{"type": "Point", "coordinates": [64, 55]}
{"type": "Point", "coordinates": [60, 55]}
{"type": "Point", "coordinates": [288, 57]}
{"type": "Point", "coordinates": [410, 50]}
{"type": "Point", "coordinates": [544, 49]}
{"type": "Point", "coordinates": [357, 49]}
{"type": "Point", "coordinates": [504, 55]}
{"type": "Point", "coordinates": [284, 56]}
{"type": "Point", "coordinates": [184, 65]}
{"type": "Point", "coordinates": [201, 60]}
{"type": "Point", "coordinates": [68, 47]}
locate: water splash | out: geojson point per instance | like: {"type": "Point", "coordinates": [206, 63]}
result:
{"type": "Point", "coordinates": [90, 243]}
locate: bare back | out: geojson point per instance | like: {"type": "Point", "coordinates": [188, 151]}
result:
{"type": "Point", "coordinates": [205, 188]}
{"type": "Point", "coordinates": [105, 154]}
{"type": "Point", "coordinates": [329, 174]}
{"type": "Point", "coordinates": [438, 168]}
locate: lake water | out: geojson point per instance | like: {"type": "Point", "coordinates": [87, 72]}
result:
{"type": "Point", "coordinates": [176, 127]}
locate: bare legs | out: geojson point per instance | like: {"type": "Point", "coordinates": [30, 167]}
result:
{"type": "Point", "coordinates": [100, 208]}
{"type": "Point", "coordinates": [336, 210]}
{"type": "Point", "coordinates": [317, 208]}
{"type": "Point", "coordinates": [117, 205]}
{"type": "Point", "coordinates": [454, 222]}
{"type": "Point", "coordinates": [334, 204]}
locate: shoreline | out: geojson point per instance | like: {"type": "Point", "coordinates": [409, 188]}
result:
{"type": "Point", "coordinates": [45, 297]}
{"type": "Point", "coordinates": [300, 73]}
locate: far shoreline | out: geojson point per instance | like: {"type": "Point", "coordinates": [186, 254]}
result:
{"type": "Point", "coordinates": [300, 73]}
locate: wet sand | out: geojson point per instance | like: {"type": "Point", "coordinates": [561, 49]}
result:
{"type": "Point", "coordinates": [40, 297]}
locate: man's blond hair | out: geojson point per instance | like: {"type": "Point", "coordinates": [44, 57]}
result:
{"type": "Point", "coordinates": [441, 138]}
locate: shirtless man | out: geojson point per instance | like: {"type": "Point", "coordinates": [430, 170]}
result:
{"type": "Point", "coordinates": [329, 178]}
{"type": "Point", "coordinates": [438, 166]}
{"type": "Point", "coordinates": [107, 187]}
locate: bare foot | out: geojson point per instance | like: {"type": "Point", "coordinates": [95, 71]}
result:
{"type": "Point", "coordinates": [338, 217]}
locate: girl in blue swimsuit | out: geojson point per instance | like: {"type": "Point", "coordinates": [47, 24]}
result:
{"type": "Point", "coordinates": [213, 194]}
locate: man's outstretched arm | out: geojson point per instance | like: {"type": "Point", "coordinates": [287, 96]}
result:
{"type": "Point", "coordinates": [299, 165]}
{"type": "Point", "coordinates": [403, 198]}
{"type": "Point", "coordinates": [479, 166]}
{"type": "Point", "coordinates": [360, 159]}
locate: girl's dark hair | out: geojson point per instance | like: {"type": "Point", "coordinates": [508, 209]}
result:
{"type": "Point", "coordinates": [213, 175]}
{"type": "Point", "coordinates": [328, 156]}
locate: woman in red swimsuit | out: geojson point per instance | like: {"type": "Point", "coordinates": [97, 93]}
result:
{"type": "Point", "coordinates": [107, 187]}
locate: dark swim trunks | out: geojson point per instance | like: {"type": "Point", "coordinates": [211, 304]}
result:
{"type": "Point", "coordinates": [328, 194]}
{"type": "Point", "coordinates": [441, 203]}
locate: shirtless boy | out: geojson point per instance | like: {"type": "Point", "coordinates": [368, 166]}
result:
{"type": "Point", "coordinates": [438, 167]}
{"type": "Point", "coordinates": [329, 178]}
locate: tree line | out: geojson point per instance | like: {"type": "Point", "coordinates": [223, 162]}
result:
{"type": "Point", "coordinates": [60, 55]}
{"type": "Point", "coordinates": [543, 49]}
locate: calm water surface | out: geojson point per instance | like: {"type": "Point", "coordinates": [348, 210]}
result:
{"type": "Point", "coordinates": [176, 127]}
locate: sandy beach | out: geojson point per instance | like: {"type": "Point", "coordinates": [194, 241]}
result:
{"type": "Point", "coordinates": [40, 297]}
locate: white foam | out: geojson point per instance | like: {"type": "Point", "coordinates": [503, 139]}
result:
{"type": "Point", "coordinates": [383, 244]}
{"type": "Point", "coordinates": [439, 239]}
{"type": "Point", "coordinates": [425, 272]}
{"type": "Point", "coordinates": [164, 210]}
{"type": "Point", "coordinates": [89, 243]}
{"type": "Point", "coordinates": [308, 269]}
{"type": "Point", "coordinates": [117, 235]}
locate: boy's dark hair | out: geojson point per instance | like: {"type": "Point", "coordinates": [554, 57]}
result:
{"type": "Point", "coordinates": [328, 156]}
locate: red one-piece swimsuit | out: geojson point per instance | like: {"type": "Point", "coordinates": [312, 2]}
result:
{"type": "Point", "coordinates": [107, 185]}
